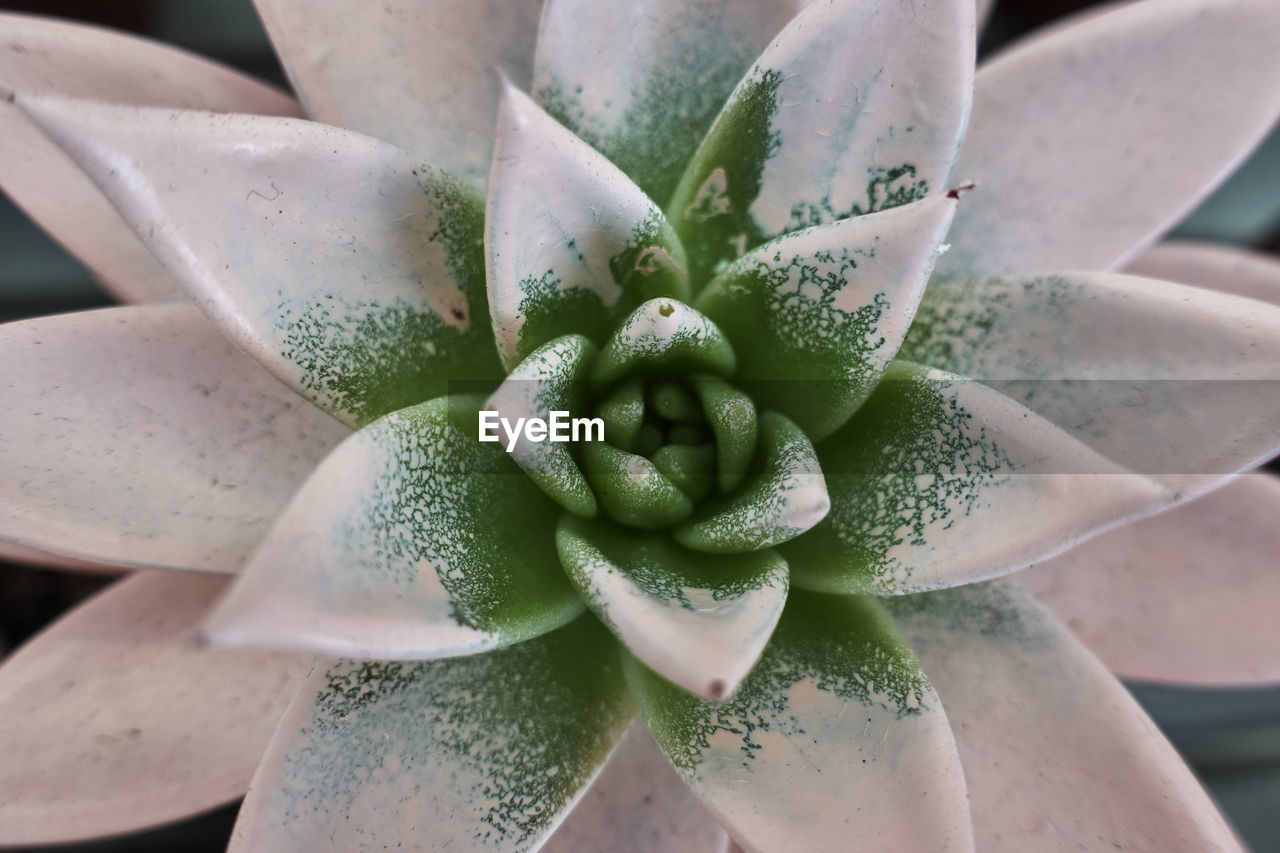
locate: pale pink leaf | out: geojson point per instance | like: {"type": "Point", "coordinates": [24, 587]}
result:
{"type": "Point", "coordinates": [1229, 269]}
{"type": "Point", "coordinates": [117, 720]}
{"type": "Point", "coordinates": [1056, 753]}
{"type": "Point", "coordinates": [560, 222]}
{"type": "Point", "coordinates": [43, 56]}
{"type": "Point", "coordinates": [140, 436]}
{"type": "Point", "coordinates": [648, 113]}
{"type": "Point", "coordinates": [1172, 381]}
{"type": "Point", "coordinates": [348, 267]}
{"type": "Point", "coordinates": [1071, 137]}
{"type": "Point", "coordinates": [421, 75]}
{"type": "Point", "coordinates": [1188, 596]}
{"type": "Point", "coordinates": [411, 540]}
{"type": "Point", "coordinates": [638, 805]}
{"type": "Point", "coordinates": [835, 739]}
{"type": "Point", "coordinates": [484, 752]}
{"type": "Point", "coordinates": [939, 481]}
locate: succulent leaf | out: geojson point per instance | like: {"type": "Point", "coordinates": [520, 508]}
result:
{"type": "Point", "coordinates": [782, 498]}
{"type": "Point", "coordinates": [364, 292]}
{"type": "Point", "coordinates": [732, 417]}
{"type": "Point", "coordinates": [692, 467]}
{"type": "Point", "coordinates": [817, 315]}
{"type": "Point", "coordinates": [418, 75]}
{"type": "Point", "coordinates": [857, 106]}
{"type": "Point", "coordinates": [1212, 266]}
{"type": "Point", "coordinates": [638, 805]}
{"type": "Point", "coordinates": [1185, 597]}
{"type": "Point", "coordinates": [48, 57]}
{"type": "Point", "coordinates": [1171, 381]}
{"type": "Point", "coordinates": [699, 620]}
{"type": "Point", "coordinates": [549, 379]}
{"type": "Point", "coordinates": [411, 540]}
{"type": "Point", "coordinates": [115, 720]}
{"type": "Point", "coordinates": [576, 259]}
{"type": "Point", "coordinates": [939, 481]}
{"type": "Point", "coordinates": [649, 113]}
{"type": "Point", "coordinates": [622, 411]}
{"type": "Point", "coordinates": [835, 728]}
{"type": "Point", "coordinates": [1093, 191]}
{"type": "Point", "coordinates": [480, 752]}
{"type": "Point", "coordinates": [140, 436]}
{"type": "Point", "coordinates": [665, 336]}
{"type": "Point", "coordinates": [631, 489]}
{"type": "Point", "coordinates": [1028, 702]}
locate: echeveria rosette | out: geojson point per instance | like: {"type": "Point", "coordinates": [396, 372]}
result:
{"type": "Point", "coordinates": [784, 444]}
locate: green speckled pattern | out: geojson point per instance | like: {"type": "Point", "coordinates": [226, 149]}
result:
{"type": "Point", "coordinates": [816, 315]}
{"type": "Point", "coordinates": [816, 131]}
{"type": "Point", "coordinates": [700, 620]}
{"type": "Point", "coordinates": [939, 481]}
{"type": "Point", "coordinates": [578, 258]}
{"type": "Point", "coordinates": [836, 716]}
{"type": "Point", "coordinates": [410, 541]}
{"type": "Point", "coordinates": [391, 353]}
{"type": "Point", "coordinates": [785, 496]}
{"type": "Point", "coordinates": [648, 114]}
{"type": "Point", "coordinates": [481, 753]}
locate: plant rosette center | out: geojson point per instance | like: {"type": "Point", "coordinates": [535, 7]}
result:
{"type": "Point", "coordinates": [651, 433]}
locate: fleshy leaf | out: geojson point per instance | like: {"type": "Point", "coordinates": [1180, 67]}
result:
{"type": "Point", "coordinates": [1036, 719]}
{"type": "Point", "coordinates": [364, 291]}
{"type": "Point", "coordinates": [732, 416]}
{"type": "Point", "coordinates": [411, 540]}
{"type": "Point", "coordinates": [115, 721]}
{"type": "Point", "coordinates": [835, 731]}
{"type": "Point", "coordinates": [649, 113]}
{"type": "Point", "coordinates": [631, 489]}
{"type": "Point", "coordinates": [573, 245]}
{"type": "Point", "coordinates": [816, 316]}
{"type": "Point", "coordinates": [1188, 596]}
{"type": "Point", "coordinates": [1225, 268]}
{"type": "Point", "coordinates": [486, 751]}
{"type": "Point", "coordinates": [1171, 381]}
{"type": "Point", "coordinates": [783, 498]}
{"type": "Point", "coordinates": [700, 621]}
{"type": "Point", "coordinates": [939, 481]}
{"type": "Point", "coordinates": [638, 805]}
{"type": "Point", "coordinates": [674, 402]}
{"type": "Point", "coordinates": [43, 56]}
{"type": "Point", "coordinates": [1091, 191]}
{"type": "Point", "coordinates": [623, 414]}
{"type": "Point", "coordinates": [858, 106]}
{"type": "Point", "coordinates": [665, 335]}
{"type": "Point", "coordinates": [422, 76]}
{"type": "Point", "coordinates": [140, 436]}
{"type": "Point", "coordinates": [692, 467]}
{"type": "Point", "coordinates": [549, 379]}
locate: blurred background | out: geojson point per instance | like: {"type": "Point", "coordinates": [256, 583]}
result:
{"type": "Point", "coordinates": [1231, 738]}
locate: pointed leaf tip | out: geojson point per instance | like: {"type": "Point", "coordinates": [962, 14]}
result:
{"type": "Point", "coordinates": [548, 380]}
{"type": "Point", "coordinates": [410, 541]}
{"type": "Point", "coordinates": [665, 335]}
{"type": "Point", "coordinates": [817, 315]}
{"type": "Point", "coordinates": [836, 727]}
{"type": "Point", "coordinates": [699, 620]}
{"type": "Point", "coordinates": [573, 245]}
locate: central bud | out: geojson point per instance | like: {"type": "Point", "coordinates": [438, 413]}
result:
{"type": "Point", "coordinates": [683, 448]}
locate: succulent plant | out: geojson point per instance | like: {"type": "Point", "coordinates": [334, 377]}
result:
{"type": "Point", "coordinates": [819, 384]}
